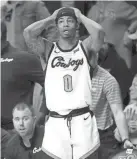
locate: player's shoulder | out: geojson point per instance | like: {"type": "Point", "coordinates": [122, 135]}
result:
{"type": "Point", "coordinates": [125, 154]}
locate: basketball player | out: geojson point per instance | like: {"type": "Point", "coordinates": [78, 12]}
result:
{"type": "Point", "coordinates": [71, 130]}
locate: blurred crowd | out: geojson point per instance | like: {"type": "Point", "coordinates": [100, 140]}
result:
{"type": "Point", "coordinates": [118, 55]}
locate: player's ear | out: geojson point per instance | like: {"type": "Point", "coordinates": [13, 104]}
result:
{"type": "Point", "coordinates": [77, 25]}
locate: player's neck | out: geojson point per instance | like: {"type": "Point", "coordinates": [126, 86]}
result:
{"type": "Point", "coordinates": [67, 44]}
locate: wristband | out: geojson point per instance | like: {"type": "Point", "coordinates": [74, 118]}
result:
{"type": "Point", "coordinates": [126, 139]}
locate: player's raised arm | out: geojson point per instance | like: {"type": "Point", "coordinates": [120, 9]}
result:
{"type": "Point", "coordinates": [96, 39]}
{"type": "Point", "coordinates": [32, 34]}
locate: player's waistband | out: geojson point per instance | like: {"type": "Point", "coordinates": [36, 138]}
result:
{"type": "Point", "coordinates": [73, 113]}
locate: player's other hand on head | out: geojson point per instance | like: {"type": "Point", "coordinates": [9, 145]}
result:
{"type": "Point", "coordinates": [54, 15]}
{"type": "Point", "coordinates": [77, 12]}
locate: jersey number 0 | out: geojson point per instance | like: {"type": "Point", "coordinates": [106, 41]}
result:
{"type": "Point", "coordinates": [68, 83]}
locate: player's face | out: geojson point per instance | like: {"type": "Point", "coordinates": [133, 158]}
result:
{"type": "Point", "coordinates": [23, 122]}
{"type": "Point", "coordinates": [133, 90]}
{"type": "Point", "coordinates": [67, 26]}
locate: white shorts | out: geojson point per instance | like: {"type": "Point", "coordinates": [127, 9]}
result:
{"type": "Point", "coordinates": [84, 137]}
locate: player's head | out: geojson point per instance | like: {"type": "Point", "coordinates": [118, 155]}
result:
{"type": "Point", "coordinates": [66, 22]}
{"type": "Point", "coordinates": [24, 119]}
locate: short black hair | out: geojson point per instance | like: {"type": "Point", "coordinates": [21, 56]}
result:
{"type": "Point", "coordinates": [23, 106]}
{"type": "Point", "coordinates": [65, 11]}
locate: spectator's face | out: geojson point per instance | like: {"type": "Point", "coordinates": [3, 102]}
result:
{"type": "Point", "coordinates": [132, 127]}
{"type": "Point", "coordinates": [23, 122]}
{"type": "Point", "coordinates": [133, 90]}
{"type": "Point", "coordinates": [67, 26]}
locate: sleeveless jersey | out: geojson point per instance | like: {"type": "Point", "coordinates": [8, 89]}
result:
{"type": "Point", "coordinates": [67, 80]}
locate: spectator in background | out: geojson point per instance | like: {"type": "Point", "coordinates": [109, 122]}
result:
{"type": "Point", "coordinates": [107, 103]}
{"type": "Point", "coordinates": [5, 136]}
{"type": "Point", "coordinates": [131, 115]}
{"type": "Point", "coordinates": [117, 18]}
{"type": "Point", "coordinates": [20, 14]}
{"type": "Point", "coordinates": [67, 3]}
{"type": "Point", "coordinates": [17, 16]}
{"type": "Point", "coordinates": [133, 37]}
{"type": "Point", "coordinates": [133, 91]}
{"type": "Point", "coordinates": [131, 110]}
{"type": "Point", "coordinates": [19, 72]}
{"type": "Point", "coordinates": [26, 143]}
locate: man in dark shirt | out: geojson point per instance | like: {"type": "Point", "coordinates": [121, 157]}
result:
{"type": "Point", "coordinates": [5, 136]}
{"type": "Point", "coordinates": [19, 72]}
{"type": "Point", "coordinates": [26, 144]}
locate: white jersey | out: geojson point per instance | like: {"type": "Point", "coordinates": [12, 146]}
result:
{"type": "Point", "coordinates": [67, 80]}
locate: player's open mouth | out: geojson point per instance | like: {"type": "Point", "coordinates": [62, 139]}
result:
{"type": "Point", "coordinates": [22, 129]}
{"type": "Point", "coordinates": [66, 31]}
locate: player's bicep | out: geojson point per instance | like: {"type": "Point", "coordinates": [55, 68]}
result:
{"type": "Point", "coordinates": [94, 42]}
{"type": "Point", "coordinates": [91, 54]}
{"type": "Point", "coordinates": [34, 44]}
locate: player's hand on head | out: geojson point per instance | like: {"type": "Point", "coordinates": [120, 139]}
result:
{"type": "Point", "coordinates": [54, 15]}
{"type": "Point", "coordinates": [77, 12]}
